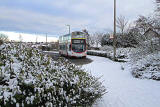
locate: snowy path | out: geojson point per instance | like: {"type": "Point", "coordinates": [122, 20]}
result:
{"type": "Point", "coordinates": [123, 89]}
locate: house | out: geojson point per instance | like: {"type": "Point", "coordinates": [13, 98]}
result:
{"type": "Point", "coordinates": [152, 33]}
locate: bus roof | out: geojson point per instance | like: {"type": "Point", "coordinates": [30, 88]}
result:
{"type": "Point", "coordinates": [73, 35]}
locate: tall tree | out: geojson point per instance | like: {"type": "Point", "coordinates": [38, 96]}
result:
{"type": "Point", "coordinates": [98, 38]}
{"type": "Point", "coordinates": [144, 23]}
{"type": "Point", "coordinates": [158, 1]}
{"type": "Point", "coordinates": [88, 37]}
{"type": "Point", "coordinates": [122, 23]}
{"type": "Point", "coordinates": [158, 5]}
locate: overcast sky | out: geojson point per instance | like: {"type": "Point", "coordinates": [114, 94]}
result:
{"type": "Point", "coordinates": [51, 16]}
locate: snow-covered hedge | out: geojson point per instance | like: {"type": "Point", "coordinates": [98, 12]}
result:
{"type": "Point", "coordinates": [122, 54]}
{"type": "Point", "coordinates": [98, 53]}
{"type": "Point", "coordinates": [29, 78]}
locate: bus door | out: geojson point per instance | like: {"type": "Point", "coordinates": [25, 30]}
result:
{"type": "Point", "coordinates": [66, 49]}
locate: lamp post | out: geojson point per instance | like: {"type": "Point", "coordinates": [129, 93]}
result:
{"type": "Point", "coordinates": [69, 28]}
{"type": "Point", "coordinates": [114, 34]}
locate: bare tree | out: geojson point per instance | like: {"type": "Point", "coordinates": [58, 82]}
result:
{"type": "Point", "coordinates": [98, 38]}
{"type": "Point", "coordinates": [20, 38]}
{"type": "Point", "coordinates": [91, 41]}
{"type": "Point", "coordinates": [144, 23]}
{"type": "Point", "coordinates": [3, 37]}
{"type": "Point", "coordinates": [87, 37]}
{"type": "Point", "coordinates": [158, 5]}
{"type": "Point", "coordinates": [122, 23]}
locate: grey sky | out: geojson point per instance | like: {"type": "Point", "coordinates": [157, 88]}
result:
{"type": "Point", "coordinates": [51, 16]}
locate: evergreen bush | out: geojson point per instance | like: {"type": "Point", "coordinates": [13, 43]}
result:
{"type": "Point", "coordinates": [29, 78]}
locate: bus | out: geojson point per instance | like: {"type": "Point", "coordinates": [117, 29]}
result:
{"type": "Point", "coordinates": [73, 45]}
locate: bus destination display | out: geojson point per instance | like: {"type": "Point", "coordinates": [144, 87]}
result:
{"type": "Point", "coordinates": [78, 41]}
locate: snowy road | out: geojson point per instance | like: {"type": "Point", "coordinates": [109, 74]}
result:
{"type": "Point", "coordinates": [123, 89]}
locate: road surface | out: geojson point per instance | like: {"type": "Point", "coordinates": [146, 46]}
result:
{"type": "Point", "coordinates": [78, 61]}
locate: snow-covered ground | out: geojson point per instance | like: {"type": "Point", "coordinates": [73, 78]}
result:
{"type": "Point", "coordinates": [123, 89]}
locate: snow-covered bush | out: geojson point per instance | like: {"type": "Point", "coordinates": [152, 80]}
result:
{"type": "Point", "coordinates": [147, 67]}
{"type": "Point", "coordinates": [30, 78]}
{"type": "Point", "coordinates": [121, 53]}
{"type": "Point", "coordinates": [145, 60]}
{"type": "Point", "coordinates": [146, 48]}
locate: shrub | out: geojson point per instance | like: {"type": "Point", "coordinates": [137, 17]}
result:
{"type": "Point", "coordinates": [147, 67]}
{"type": "Point", "coordinates": [122, 40]}
{"type": "Point", "coordinates": [29, 78]}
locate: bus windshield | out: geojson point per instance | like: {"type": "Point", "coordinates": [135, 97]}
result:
{"type": "Point", "coordinates": [78, 45]}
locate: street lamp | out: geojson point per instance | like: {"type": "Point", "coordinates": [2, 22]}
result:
{"type": "Point", "coordinates": [68, 28]}
{"type": "Point", "coordinates": [46, 38]}
{"type": "Point", "coordinates": [114, 34]}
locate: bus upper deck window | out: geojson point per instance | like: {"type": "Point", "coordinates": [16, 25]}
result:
{"type": "Point", "coordinates": [78, 33]}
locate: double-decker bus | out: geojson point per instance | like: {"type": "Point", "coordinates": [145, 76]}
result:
{"type": "Point", "coordinates": [73, 45]}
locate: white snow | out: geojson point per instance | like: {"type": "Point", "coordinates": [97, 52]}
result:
{"type": "Point", "coordinates": [28, 75]}
{"type": "Point", "coordinates": [51, 52]}
{"type": "Point", "coordinates": [123, 89]}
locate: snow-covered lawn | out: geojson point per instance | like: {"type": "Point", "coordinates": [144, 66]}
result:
{"type": "Point", "coordinates": [123, 89]}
